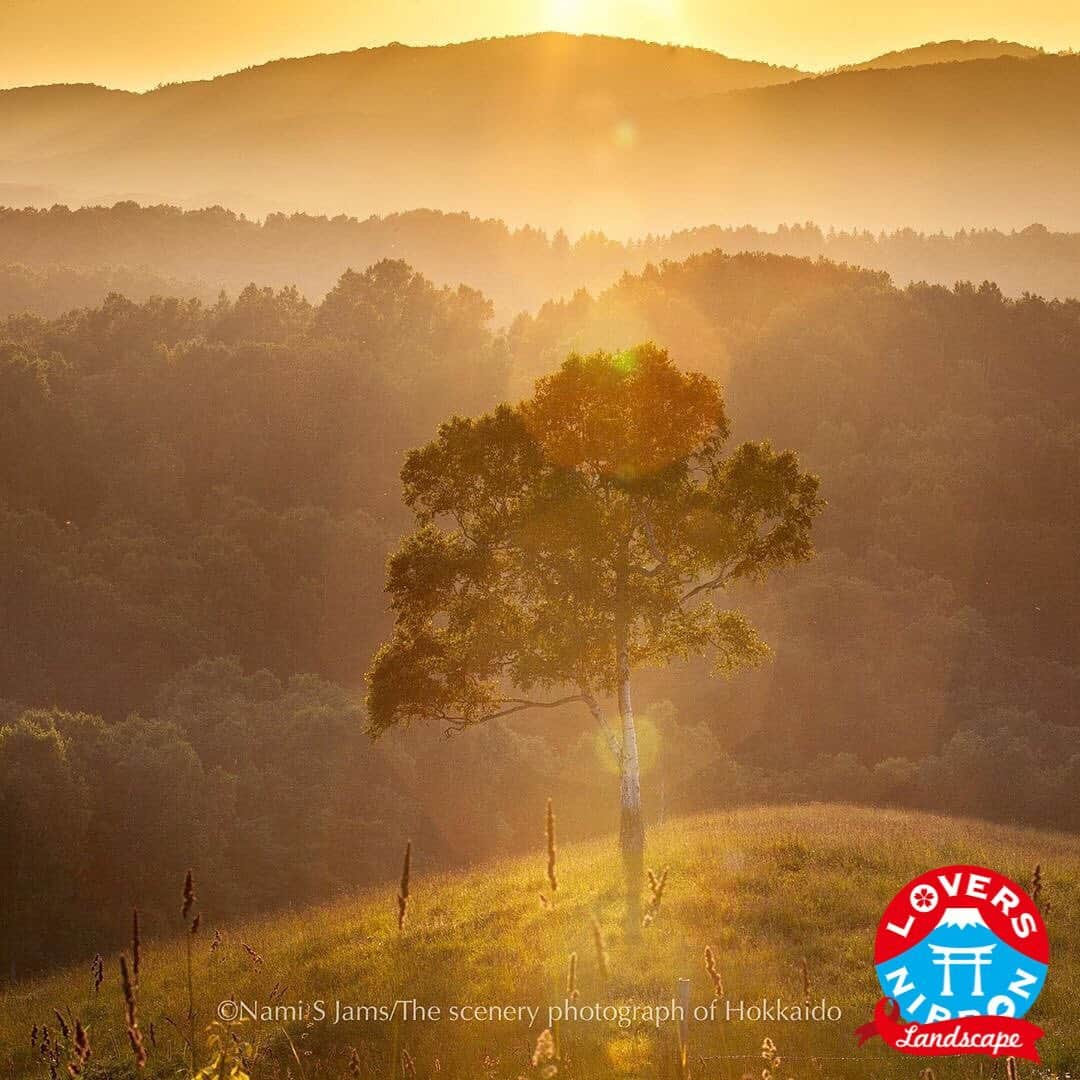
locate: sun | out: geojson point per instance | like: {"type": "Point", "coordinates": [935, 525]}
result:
{"type": "Point", "coordinates": [651, 19]}
{"type": "Point", "coordinates": [570, 15]}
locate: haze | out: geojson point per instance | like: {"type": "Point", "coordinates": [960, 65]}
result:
{"type": "Point", "coordinates": [132, 45]}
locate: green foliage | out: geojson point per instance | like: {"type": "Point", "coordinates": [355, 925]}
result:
{"type": "Point", "coordinates": [230, 1057]}
{"type": "Point", "coordinates": [602, 505]}
{"type": "Point", "coordinates": [44, 819]}
{"type": "Point", "coordinates": [96, 811]}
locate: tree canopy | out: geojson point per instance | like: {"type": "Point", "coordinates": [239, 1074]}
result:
{"type": "Point", "coordinates": [604, 505]}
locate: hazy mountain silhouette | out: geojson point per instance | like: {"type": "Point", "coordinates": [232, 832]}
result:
{"type": "Point", "coordinates": [946, 52]}
{"type": "Point", "coordinates": [936, 146]}
{"type": "Point", "coordinates": [493, 80]}
{"type": "Point", "coordinates": [583, 132]}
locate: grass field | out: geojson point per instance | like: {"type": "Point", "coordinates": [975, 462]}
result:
{"type": "Point", "coordinates": [765, 888]}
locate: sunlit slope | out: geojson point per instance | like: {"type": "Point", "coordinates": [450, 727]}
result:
{"type": "Point", "coordinates": [765, 888]}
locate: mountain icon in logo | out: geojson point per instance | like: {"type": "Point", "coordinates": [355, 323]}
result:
{"type": "Point", "coordinates": [962, 917]}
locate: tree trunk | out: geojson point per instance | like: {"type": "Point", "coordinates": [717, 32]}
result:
{"type": "Point", "coordinates": [631, 825]}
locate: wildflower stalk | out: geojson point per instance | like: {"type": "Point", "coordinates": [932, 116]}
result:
{"type": "Point", "coordinates": [552, 877]}
{"type": "Point", "coordinates": [185, 912]}
{"type": "Point", "coordinates": [131, 1014]}
{"type": "Point", "coordinates": [403, 890]}
{"type": "Point", "coordinates": [601, 951]}
{"type": "Point", "coordinates": [714, 972]}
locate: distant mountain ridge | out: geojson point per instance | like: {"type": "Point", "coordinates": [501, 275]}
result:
{"type": "Point", "coordinates": [946, 52]}
{"type": "Point", "coordinates": [411, 75]}
{"type": "Point", "coordinates": [576, 131]}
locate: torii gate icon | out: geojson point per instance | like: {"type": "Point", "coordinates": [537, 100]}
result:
{"type": "Point", "coordinates": [973, 956]}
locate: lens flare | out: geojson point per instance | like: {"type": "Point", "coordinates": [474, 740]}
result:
{"type": "Point", "coordinates": [625, 134]}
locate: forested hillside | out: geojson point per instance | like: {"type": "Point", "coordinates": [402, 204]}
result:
{"type": "Point", "coordinates": [196, 501]}
{"type": "Point", "coordinates": [51, 289]}
{"type": "Point", "coordinates": [182, 480]}
{"type": "Point", "coordinates": [55, 259]}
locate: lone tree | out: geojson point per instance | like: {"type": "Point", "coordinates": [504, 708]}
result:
{"type": "Point", "coordinates": [569, 540]}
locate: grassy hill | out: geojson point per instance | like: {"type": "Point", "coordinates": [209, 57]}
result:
{"type": "Point", "coordinates": [766, 888]}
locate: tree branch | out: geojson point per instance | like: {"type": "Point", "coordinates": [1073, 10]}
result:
{"type": "Point", "coordinates": [460, 723]}
{"type": "Point", "coordinates": [654, 548]}
{"type": "Point", "coordinates": [717, 582]}
{"type": "Point", "coordinates": [612, 739]}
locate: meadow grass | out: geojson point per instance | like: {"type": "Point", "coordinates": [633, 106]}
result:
{"type": "Point", "coordinates": [786, 898]}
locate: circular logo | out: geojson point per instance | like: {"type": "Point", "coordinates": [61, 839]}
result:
{"type": "Point", "coordinates": [962, 941]}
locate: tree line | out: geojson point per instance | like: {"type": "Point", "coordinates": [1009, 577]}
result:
{"type": "Point", "coordinates": [54, 259]}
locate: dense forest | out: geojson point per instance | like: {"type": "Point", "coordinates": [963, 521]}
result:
{"type": "Point", "coordinates": [52, 260]}
{"type": "Point", "coordinates": [53, 289]}
{"type": "Point", "coordinates": [197, 498]}
{"type": "Point", "coordinates": [182, 480]}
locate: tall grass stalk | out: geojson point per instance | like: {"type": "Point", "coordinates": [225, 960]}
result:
{"type": "Point", "coordinates": [403, 889]}
{"type": "Point", "coordinates": [131, 1015]}
{"type": "Point", "coordinates": [136, 946]}
{"type": "Point", "coordinates": [193, 929]}
{"type": "Point", "coordinates": [601, 951]}
{"type": "Point", "coordinates": [714, 972]}
{"type": "Point", "coordinates": [552, 876]}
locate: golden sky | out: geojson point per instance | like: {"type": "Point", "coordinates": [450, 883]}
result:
{"type": "Point", "coordinates": [138, 43]}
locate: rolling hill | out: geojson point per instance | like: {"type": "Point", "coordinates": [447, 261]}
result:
{"type": "Point", "coordinates": [575, 132]}
{"type": "Point", "coordinates": [946, 52]}
{"type": "Point", "coordinates": [766, 889]}
{"type": "Point", "coordinates": [492, 84]}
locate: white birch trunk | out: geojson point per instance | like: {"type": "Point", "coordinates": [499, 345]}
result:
{"type": "Point", "coordinates": [631, 826]}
